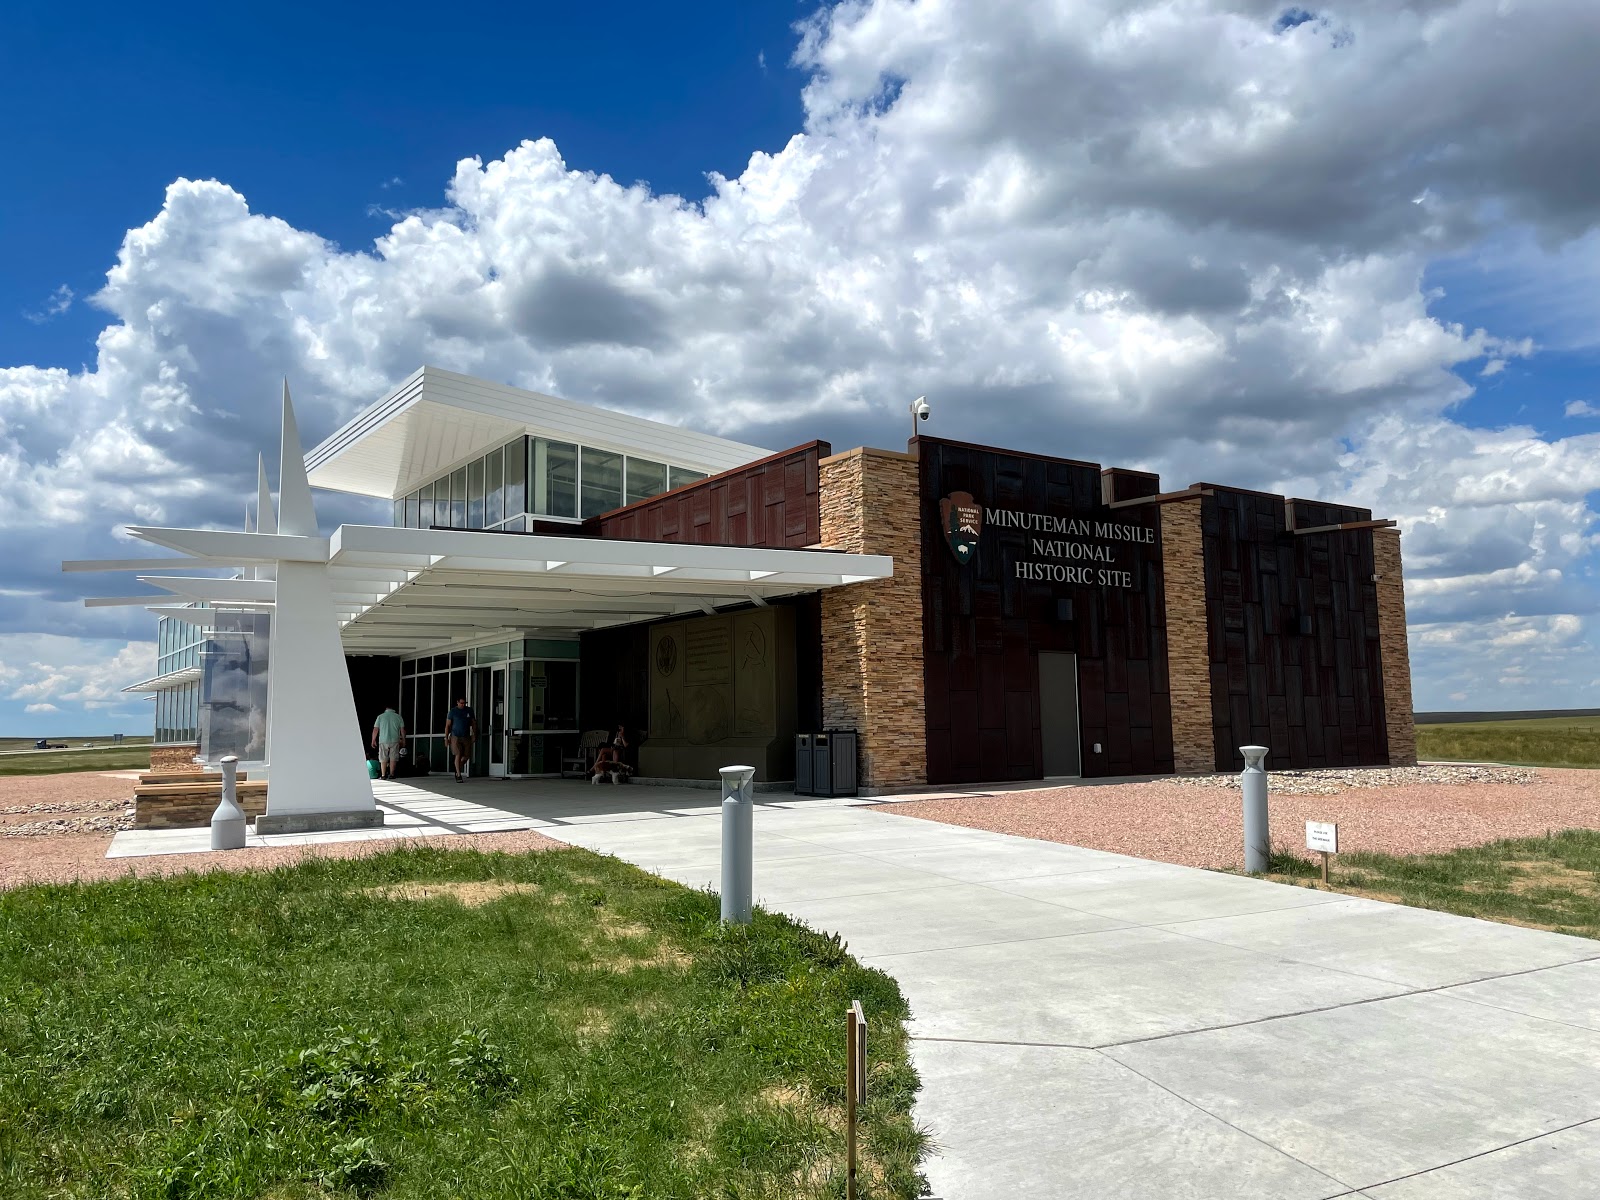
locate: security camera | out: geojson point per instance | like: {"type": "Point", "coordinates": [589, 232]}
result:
{"type": "Point", "coordinates": [919, 412]}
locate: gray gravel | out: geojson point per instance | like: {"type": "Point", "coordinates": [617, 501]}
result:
{"type": "Point", "coordinates": [1332, 781]}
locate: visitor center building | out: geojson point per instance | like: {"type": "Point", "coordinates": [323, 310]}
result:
{"type": "Point", "coordinates": [975, 614]}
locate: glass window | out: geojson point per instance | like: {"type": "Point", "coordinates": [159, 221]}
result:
{"type": "Point", "coordinates": [413, 508]}
{"type": "Point", "coordinates": [409, 667]}
{"type": "Point", "coordinates": [554, 479]}
{"type": "Point", "coordinates": [601, 482]}
{"type": "Point", "coordinates": [516, 477]}
{"type": "Point", "coordinates": [490, 654]}
{"type": "Point", "coordinates": [475, 494]}
{"type": "Point", "coordinates": [425, 506]}
{"type": "Point", "coordinates": [678, 476]}
{"type": "Point", "coordinates": [645, 479]}
{"type": "Point", "coordinates": [399, 511]}
{"type": "Point", "coordinates": [458, 499]}
{"type": "Point", "coordinates": [493, 488]}
{"type": "Point", "coordinates": [458, 658]}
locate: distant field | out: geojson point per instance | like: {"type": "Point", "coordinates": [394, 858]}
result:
{"type": "Point", "coordinates": [11, 744]}
{"type": "Point", "coordinates": [131, 755]}
{"type": "Point", "coordinates": [1572, 741]}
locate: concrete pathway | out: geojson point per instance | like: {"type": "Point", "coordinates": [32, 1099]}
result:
{"type": "Point", "coordinates": [1090, 1025]}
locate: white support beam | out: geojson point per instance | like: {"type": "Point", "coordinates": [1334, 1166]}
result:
{"type": "Point", "coordinates": [73, 565]}
{"type": "Point", "coordinates": [214, 590]}
{"type": "Point", "coordinates": [229, 547]}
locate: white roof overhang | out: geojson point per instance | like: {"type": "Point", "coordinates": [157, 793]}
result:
{"type": "Point", "coordinates": [160, 683]}
{"type": "Point", "coordinates": [401, 590]}
{"type": "Point", "coordinates": [436, 420]}
{"type": "Point", "coordinates": [398, 590]}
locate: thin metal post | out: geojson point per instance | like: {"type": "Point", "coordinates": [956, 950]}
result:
{"type": "Point", "coordinates": [855, 1088]}
{"type": "Point", "coordinates": [738, 843]}
{"type": "Point", "coordinates": [1257, 833]}
{"type": "Point", "coordinates": [227, 823]}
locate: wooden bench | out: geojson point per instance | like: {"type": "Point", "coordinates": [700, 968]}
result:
{"type": "Point", "coordinates": [189, 804]}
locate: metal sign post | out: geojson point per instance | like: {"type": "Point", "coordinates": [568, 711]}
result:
{"type": "Point", "coordinates": [855, 1087]}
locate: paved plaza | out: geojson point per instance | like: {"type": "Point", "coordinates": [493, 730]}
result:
{"type": "Point", "coordinates": [1092, 1025]}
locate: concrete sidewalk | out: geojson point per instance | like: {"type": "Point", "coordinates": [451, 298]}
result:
{"type": "Point", "coordinates": [1089, 1025]}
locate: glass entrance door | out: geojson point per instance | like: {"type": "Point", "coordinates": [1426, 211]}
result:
{"type": "Point", "coordinates": [496, 718]}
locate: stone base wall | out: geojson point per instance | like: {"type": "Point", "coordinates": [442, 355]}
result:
{"type": "Point", "coordinates": [1188, 661]}
{"type": "Point", "coordinates": [173, 758]}
{"type": "Point", "coordinates": [192, 810]}
{"type": "Point", "coordinates": [1397, 704]}
{"type": "Point", "coordinates": [872, 632]}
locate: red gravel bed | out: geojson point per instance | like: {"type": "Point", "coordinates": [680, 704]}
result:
{"type": "Point", "coordinates": [61, 858]}
{"type": "Point", "coordinates": [1202, 826]}
{"type": "Point", "coordinates": [83, 856]}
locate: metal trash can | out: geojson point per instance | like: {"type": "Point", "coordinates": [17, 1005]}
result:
{"type": "Point", "coordinates": [804, 775]}
{"type": "Point", "coordinates": [833, 762]}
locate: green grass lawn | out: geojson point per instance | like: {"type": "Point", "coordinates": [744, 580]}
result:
{"type": "Point", "coordinates": [1549, 742]}
{"type": "Point", "coordinates": [57, 762]}
{"type": "Point", "coordinates": [1549, 883]}
{"type": "Point", "coordinates": [432, 1023]}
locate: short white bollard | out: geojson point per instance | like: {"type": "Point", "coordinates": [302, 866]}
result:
{"type": "Point", "coordinates": [738, 843]}
{"type": "Point", "coordinates": [1257, 833]}
{"type": "Point", "coordinates": [227, 823]}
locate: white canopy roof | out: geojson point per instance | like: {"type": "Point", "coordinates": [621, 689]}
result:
{"type": "Point", "coordinates": [398, 590]}
{"type": "Point", "coordinates": [437, 420]}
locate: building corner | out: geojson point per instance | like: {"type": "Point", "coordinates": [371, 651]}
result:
{"type": "Point", "coordinates": [1393, 648]}
{"type": "Point", "coordinates": [1188, 659]}
{"type": "Point", "coordinates": [872, 639]}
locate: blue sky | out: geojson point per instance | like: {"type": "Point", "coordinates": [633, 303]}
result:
{"type": "Point", "coordinates": [1346, 251]}
{"type": "Point", "coordinates": [326, 114]}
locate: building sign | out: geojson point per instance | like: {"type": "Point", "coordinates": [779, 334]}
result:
{"type": "Point", "coordinates": [1057, 549]}
{"type": "Point", "coordinates": [962, 519]}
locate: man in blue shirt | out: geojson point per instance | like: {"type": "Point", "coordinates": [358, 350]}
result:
{"type": "Point", "coordinates": [459, 729]}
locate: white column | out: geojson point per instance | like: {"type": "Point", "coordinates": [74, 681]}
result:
{"type": "Point", "coordinates": [317, 772]}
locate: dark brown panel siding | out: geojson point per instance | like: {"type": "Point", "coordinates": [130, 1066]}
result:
{"type": "Point", "coordinates": [1315, 698]}
{"type": "Point", "coordinates": [984, 628]}
{"type": "Point", "coordinates": [770, 504]}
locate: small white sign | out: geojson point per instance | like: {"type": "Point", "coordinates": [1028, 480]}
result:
{"type": "Point", "coordinates": [1322, 835]}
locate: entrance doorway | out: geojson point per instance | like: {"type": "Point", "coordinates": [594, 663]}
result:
{"type": "Point", "coordinates": [495, 715]}
{"type": "Point", "coordinates": [1058, 713]}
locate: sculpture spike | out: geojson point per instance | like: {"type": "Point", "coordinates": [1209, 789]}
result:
{"type": "Point", "coordinates": [296, 514]}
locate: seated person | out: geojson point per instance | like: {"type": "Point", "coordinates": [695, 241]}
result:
{"type": "Point", "coordinates": [607, 762]}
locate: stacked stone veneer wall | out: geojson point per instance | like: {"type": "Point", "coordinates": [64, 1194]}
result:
{"type": "Point", "coordinates": [1188, 661]}
{"type": "Point", "coordinates": [173, 758]}
{"type": "Point", "coordinates": [191, 810]}
{"type": "Point", "coordinates": [872, 632]}
{"type": "Point", "coordinates": [1393, 649]}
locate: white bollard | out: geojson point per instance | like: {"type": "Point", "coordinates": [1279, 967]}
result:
{"type": "Point", "coordinates": [227, 823]}
{"type": "Point", "coordinates": [1257, 833]}
{"type": "Point", "coordinates": [738, 843]}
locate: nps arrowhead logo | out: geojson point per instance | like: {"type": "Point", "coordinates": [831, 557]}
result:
{"type": "Point", "coordinates": [962, 518]}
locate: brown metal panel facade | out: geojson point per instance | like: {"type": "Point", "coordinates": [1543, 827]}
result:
{"type": "Point", "coordinates": [1293, 632]}
{"type": "Point", "coordinates": [1058, 587]}
{"type": "Point", "coordinates": [773, 504]}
